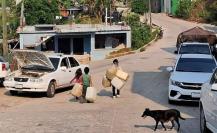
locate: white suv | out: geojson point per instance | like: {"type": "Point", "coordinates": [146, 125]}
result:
{"type": "Point", "coordinates": [41, 73]}
{"type": "Point", "coordinates": [208, 105]}
{"type": "Point", "coordinates": [188, 75]}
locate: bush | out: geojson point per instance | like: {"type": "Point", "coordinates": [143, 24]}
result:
{"type": "Point", "coordinates": [139, 6]}
{"type": "Point", "coordinates": [140, 36]}
{"type": "Point", "coordinates": [211, 12]}
{"type": "Point", "coordinates": [141, 33]}
{"type": "Point", "coordinates": [132, 19]}
{"type": "Point", "coordinates": [184, 8]}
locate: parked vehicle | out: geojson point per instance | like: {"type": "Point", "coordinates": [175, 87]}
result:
{"type": "Point", "coordinates": [195, 48]}
{"type": "Point", "coordinates": [4, 69]}
{"type": "Point", "coordinates": [208, 105]}
{"type": "Point", "coordinates": [188, 75]}
{"type": "Point", "coordinates": [41, 73]}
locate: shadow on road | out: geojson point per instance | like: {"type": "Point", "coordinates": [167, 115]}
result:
{"type": "Point", "coordinates": [153, 126]}
{"type": "Point", "coordinates": [36, 94]}
{"type": "Point", "coordinates": [154, 86]}
{"type": "Point", "coordinates": [105, 92]}
{"type": "Point", "coordinates": [169, 49]}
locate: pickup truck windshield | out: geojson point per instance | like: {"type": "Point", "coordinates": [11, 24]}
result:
{"type": "Point", "coordinates": [55, 62]}
{"type": "Point", "coordinates": [196, 65]}
{"type": "Point", "coordinates": [194, 49]}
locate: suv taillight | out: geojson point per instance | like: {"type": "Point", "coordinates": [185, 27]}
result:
{"type": "Point", "coordinates": [4, 67]}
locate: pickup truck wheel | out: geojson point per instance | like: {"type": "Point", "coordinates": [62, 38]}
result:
{"type": "Point", "coordinates": [203, 127]}
{"type": "Point", "coordinates": [51, 90]}
{"type": "Point", "coordinates": [13, 93]}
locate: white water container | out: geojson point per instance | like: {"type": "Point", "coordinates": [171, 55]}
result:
{"type": "Point", "coordinates": [122, 75]}
{"type": "Point", "coordinates": [91, 94]}
{"type": "Point", "coordinates": [77, 90]}
{"type": "Point", "coordinates": [117, 83]}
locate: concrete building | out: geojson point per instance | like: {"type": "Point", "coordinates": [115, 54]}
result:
{"type": "Point", "coordinates": [96, 40]}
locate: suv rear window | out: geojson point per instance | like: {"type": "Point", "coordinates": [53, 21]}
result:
{"type": "Point", "coordinates": [194, 49]}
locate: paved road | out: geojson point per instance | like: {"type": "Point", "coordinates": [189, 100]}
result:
{"type": "Point", "coordinates": [146, 88]}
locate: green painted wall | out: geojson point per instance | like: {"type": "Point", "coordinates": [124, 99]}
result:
{"type": "Point", "coordinates": [174, 5]}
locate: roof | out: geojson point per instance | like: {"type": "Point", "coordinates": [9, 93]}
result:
{"type": "Point", "coordinates": [75, 28]}
{"type": "Point", "coordinates": [202, 56]}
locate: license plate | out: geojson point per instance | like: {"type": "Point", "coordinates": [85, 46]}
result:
{"type": "Point", "coordinates": [18, 86]}
{"type": "Point", "coordinates": [195, 95]}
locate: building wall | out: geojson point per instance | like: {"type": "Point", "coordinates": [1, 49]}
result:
{"type": "Point", "coordinates": [167, 6]}
{"type": "Point", "coordinates": [31, 39]}
{"type": "Point", "coordinates": [89, 42]}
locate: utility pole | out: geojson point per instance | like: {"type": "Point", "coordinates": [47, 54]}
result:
{"type": "Point", "coordinates": [4, 25]}
{"type": "Point", "coordinates": [110, 12]}
{"type": "Point", "coordinates": [22, 18]}
{"type": "Point", "coordinates": [150, 12]}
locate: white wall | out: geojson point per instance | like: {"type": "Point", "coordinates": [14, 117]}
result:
{"type": "Point", "coordinates": [31, 39]}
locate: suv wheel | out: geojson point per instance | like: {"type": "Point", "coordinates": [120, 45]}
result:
{"type": "Point", "coordinates": [203, 128]}
{"type": "Point", "coordinates": [51, 90]}
{"type": "Point", "coordinates": [13, 93]}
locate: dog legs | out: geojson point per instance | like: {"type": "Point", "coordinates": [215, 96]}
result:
{"type": "Point", "coordinates": [163, 125]}
{"type": "Point", "coordinates": [177, 121]}
{"type": "Point", "coordinates": [173, 124]}
{"type": "Point", "coordinates": [156, 125]}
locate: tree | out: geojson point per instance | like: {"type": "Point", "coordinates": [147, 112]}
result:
{"type": "Point", "coordinates": [40, 11]}
{"type": "Point", "coordinates": [184, 8]}
{"type": "Point", "coordinates": [139, 6]}
{"type": "Point", "coordinates": [212, 12]}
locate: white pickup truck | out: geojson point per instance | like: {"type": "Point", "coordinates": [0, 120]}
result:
{"type": "Point", "coordinates": [41, 73]}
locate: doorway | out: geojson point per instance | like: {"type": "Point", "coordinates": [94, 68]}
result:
{"type": "Point", "coordinates": [64, 45]}
{"type": "Point", "coordinates": [78, 46]}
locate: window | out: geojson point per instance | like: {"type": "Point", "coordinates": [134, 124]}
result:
{"type": "Point", "coordinates": [73, 62]}
{"type": "Point", "coordinates": [64, 62]}
{"type": "Point", "coordinates": [202, 65]}
{"type": "Point", "coordinates": [55, 62]}
{"type": "Point", "coordinates": [194, 49]}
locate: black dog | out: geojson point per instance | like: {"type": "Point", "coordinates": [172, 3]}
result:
{"type": "Point", "coordinates": [164, 116]}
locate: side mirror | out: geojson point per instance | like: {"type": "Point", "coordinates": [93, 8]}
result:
{"type": "Point", "coordinates": [176, 52]}
{"type": "Point", "coordinates": [169, 69]}
{"type": "Point", "coordinates": [63, 68]}
{"type": "Point", "coordinates": [214, 87]}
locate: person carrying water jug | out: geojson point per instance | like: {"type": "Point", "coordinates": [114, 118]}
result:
{"type": "Point", "coordinates": [87, 81]}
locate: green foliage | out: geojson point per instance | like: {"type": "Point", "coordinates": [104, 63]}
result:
{"type": "Point", "coordinates": [139, 6]}
{"type": "Point", "coordinates": [184, 8]}
{"type": "Point", "coordinates": [141, 33]}
{"type": "Point", "coordinates": [12, 20]}
{"type": "Point", "coordinates": [132, 19]}
{"type": "Point", "coordinates": [40, 11]}
{"type": "Point", "coordinates": [211, 12]}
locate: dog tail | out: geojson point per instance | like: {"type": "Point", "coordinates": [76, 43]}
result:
{"type": "Point", "coordinates": [181, 117]}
